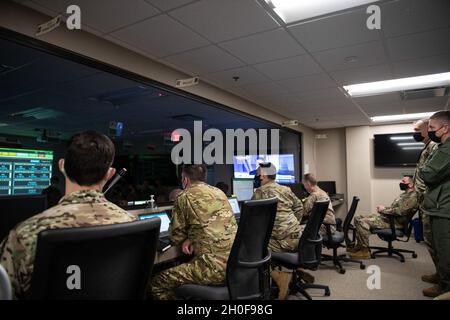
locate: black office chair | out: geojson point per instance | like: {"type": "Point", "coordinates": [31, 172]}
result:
{"type": "Point", "coordinates": [247, 274]}
{"type": "Point", "coordinates": [114, 261]}
{"type": "Point", "coordinates": [5, 285]}
{"type": "Point", "coordinates": [309, 252]}
{"type": "Point", "coordinates": [393, 234]}
{"type": "Point", "coordinates": [336, 240]}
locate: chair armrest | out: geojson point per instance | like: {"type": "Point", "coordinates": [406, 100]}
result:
{"type": "Point", "coordinates": [328, 230]}
{"type": "Point", "coordinates": [256, 264]}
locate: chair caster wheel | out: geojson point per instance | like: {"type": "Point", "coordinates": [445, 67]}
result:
{"type": "Point", "coordinates": [402, 260]}
{"type": "Point", "coordinates": [327, 293]}
{"type": "Point", "coordinates": [362, 266]}
{"type": "Point", "coordinates": [414, 255]}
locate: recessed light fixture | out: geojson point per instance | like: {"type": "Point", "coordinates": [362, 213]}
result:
{"type": "Point", "coordinates": [386, 86]}
{"type": "Point", "coordinates": [402, 117]}
{"type": "Point", "coordinates": [295, 10]}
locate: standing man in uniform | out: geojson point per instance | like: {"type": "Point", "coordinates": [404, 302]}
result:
{"type": "Point", "coordinates": [421, 135]}
{"type": "Point", "coordinates": [286, 229]}
{"type": "Point", "coordinates": [202, 223]}
{"type": "Point", "coordinates": [436, 204]}
{"type": "Point", "coordinates": [317, 194]}
{"type": "Point", "coordinates": [403, 208]}
{"type": "Point", "coordinates": [87, 168]}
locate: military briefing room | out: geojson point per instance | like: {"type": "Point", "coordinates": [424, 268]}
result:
{"type": "Point", "coordinates": [224, 150]}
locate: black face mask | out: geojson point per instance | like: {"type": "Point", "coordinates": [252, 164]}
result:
{"type": "Point", "coordinates": [418, 137]}
{"type": "Point", "coordinates": [403, 186]}
{"type": "Point", "coordinates": [257, 181]}
{"type": "Point", "coordinates": [433, 137]}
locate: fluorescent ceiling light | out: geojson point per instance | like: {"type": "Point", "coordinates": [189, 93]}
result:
{"type": "Point", "coordinates": [402, 138]}
{"type": "Point", "coordinates": [297, 10]}
{"type": "Point", "coordinates": [380, 87]}
{"type": "Point", "coordinates": [402, 117]}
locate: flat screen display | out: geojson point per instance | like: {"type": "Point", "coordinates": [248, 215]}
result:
{"type": "Point", "coordinates": [245, 166]}
{"type": "Point", "coordinates": [24, 172]}
{"type": "Point", "coordinates": [396, 150]}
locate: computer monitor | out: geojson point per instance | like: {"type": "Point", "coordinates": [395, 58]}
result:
{"type": "Point", "coordinates": [298, 189]}
{"type": "Point", "coordinates": [165, 220]}
{"type": "Point", "coordinates": [243, 189]}
{"type": "Point", "coordinates": [245, 166]}
{"type": "Point", "coordinates": [16, 209]}
{"type": "Point", "coordinates": [234, 205]}
{"type": "Point", "coordinates": [328, 186]}
{"type": "Point", "coordinates": [24, 172]}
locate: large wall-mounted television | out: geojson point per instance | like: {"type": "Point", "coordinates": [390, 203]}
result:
{"type": "Point", "coordinates": [396, 150]}
{"type": "Point", "coordinates": [24, 172]}
{"type": "Point", "coordinates": [245, 166]}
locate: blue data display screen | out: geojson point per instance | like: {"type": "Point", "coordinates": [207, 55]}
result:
{"type": "Point", "coordinates": [24, 172]}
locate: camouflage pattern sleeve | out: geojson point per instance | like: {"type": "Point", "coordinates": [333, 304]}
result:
{"type": "Point", "coordinates": [402, 206]}
{"type": "Point", "coordinates": [178, 228]}
{"type": "Point", "coordinates": [297, 207]}
{"type": "Point", "coordinates": [309, 203]}
{"type": "Point", "coordinates": [257, 195]}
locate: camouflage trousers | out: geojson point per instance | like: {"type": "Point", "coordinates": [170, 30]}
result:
{"type": "Point", "coordinates": [206, 269]}
{"type": "Point", "coordinates": [287, 244]}
{"type": "Point", "coordinates": [428, 235]}
{"type": "Point", "coordinates": [366, 224]}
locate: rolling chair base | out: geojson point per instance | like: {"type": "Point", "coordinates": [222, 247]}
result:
{"type": "Point", "coordinates": [343, 257]}
{"type": "Point", "coordinates": [391, 251]}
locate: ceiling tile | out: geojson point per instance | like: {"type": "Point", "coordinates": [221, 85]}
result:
{"type": "Point", "coordinates": [289, 68]}
{"type": "Point", "coordinates": [418, 67]}
{"type": "Point", "coordinates": [412, 16]}
{"type": "Point", "coordinates": [419, 45]}
{"type": "Point", "coordinates": [266, 46]}
{"type": "Point", "coordinates": [331, 95]}
{"type": "Point", "coordinates": [247, 75]}
{"type": "Point", "coordinates": [220, 20]}
{"type": "Point", "coordinates": [263, 90]}
{"type": "Point", "coordinates": [308, 83]}
{"type": "Point", "coordinates": [362, 75]}
{"type": "Point", "coordinates": [204, 60]}
{"type": "Point", "coordinates": [336, 31]}
{"type": "Point", "coordinates": [165, 5]}
{"type": "Point", "coordinates": [160, 36]}
{"type": "Point", "coordinates": [367, 54]}
{"type": "Point", "coordinates": [105, 15]}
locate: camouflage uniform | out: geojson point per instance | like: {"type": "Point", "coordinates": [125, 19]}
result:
{"type": "Point", "coordinates": [78, 209]}
{"type": "Point", "coordinates": [286, 229]}
{"type": "Point", "coordinates": [320, 195]}
{"type": "Point", "coordinates": [403, 208]}
{"type": "Point", "coordinates": [421, 188]}
{"type": "Point", "coordinates": [203, 215]}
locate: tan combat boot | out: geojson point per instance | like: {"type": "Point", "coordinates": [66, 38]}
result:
{"type": "Point", "coordinates": [432, 292]}
{"type": "Point", "coordinates": [363, 253]}
{"type": "Point", "coordinates": [282, 279]}
{"type": "Point", "coordinates": [433, 278]}
{"type": "Point", "coordinates": [354, 248]}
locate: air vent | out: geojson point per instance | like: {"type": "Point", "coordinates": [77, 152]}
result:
{"type": "Point", "coordinates": [425, 93]}
{"type": "Point", "coordinates": [187, 117]}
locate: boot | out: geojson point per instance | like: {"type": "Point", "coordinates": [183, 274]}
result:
{"type": "Point", "coordinates": [432, 292]}
{"type": "Point", "coordinates": [282, 279]}
{"type": "Point", "coordinates": [363, 253]}
{"type": "Point", "coordinates": [307, 277]}
{"type": "Point", "coordinates": [432, 278]}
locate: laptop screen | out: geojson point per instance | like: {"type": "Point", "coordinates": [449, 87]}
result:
{"type": "Point", "coordinates": [234, 205]}
{"type": "Point", "coordinates": [165, 221]}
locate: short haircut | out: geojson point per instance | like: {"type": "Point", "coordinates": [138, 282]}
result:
{"type": "Point", "coordinates": [269, 170]}
{"type": "Point", "coordinates": [309, 177]}
{"type": "Point", "coordinates": [443, 116]}
{"type": "Point", "coordinates": [411, 177]}
{"type": "Point", "coordinates": [195, 172]}
{"type": "Point", "coordinates": [88, 157]}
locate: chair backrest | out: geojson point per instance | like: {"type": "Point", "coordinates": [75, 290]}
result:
{"type": "Point", "coordinates": [101, 262]}
{"type": "Point", "coordinates": [248, 263]}
{"type": "Point", "coordinates": [349, 218]}
{"type": "Point", "coordinates": [5, 285]}
{"type": "Point", "coordinates": [310, 244]}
